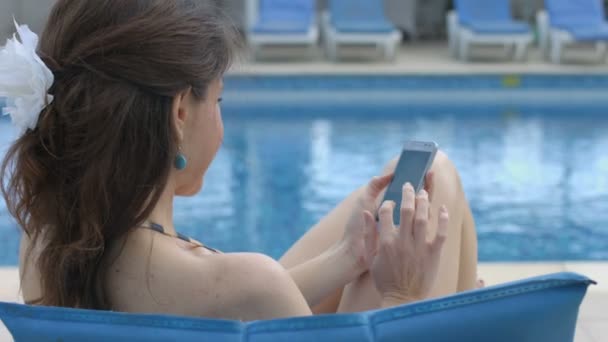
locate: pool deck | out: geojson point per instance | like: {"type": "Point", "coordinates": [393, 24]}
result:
{"type": "Point", "coordinates": [593, 317]}
{"type": "Point", "coordinates": [419, 58]}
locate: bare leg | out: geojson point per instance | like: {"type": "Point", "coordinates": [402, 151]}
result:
{"type": "Point", "coordinates": [467, 279]}
{"type": "Point", "coordinates": [449, 192]}
{"type": "Point", "coordinates": [317, 240]}
{"type": "Point", "coordinates": [362, 295]}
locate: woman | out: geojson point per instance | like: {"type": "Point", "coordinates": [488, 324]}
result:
{"type": "Point", "coordinates": [130, 121]}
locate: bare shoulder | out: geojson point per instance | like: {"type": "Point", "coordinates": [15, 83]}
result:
{"type": "Point", "coordinates": [242, 286]}
{"type": "Point", "coordinates": [255, 286]}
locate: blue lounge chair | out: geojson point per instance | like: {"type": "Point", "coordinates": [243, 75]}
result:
{"type": "Point", "coordinates": [359, 22]}
{"type": "Point", "coordinates": [285, 23]}
{"type": "Point", "coordinates": [569, 21]}
{"type": "Point", "coordinates": [538, 309]}
{"type": "Point", "coordinates": [486, 22]}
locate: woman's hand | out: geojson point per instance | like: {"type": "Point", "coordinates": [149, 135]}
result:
{"type": "Point", "coordinates": [406, 264]}
{"type": "Point", "coordinates": [318, 277]}
{"type": "Point", "coordinates": [360, 240]}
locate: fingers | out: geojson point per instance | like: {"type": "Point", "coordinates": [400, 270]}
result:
{"type": "Point", "coordinates": [387, 226]}
{"type": "Point", "coordinates": [429, 184]}
{"type": "Point", "coordinates": [421, 219]}
{"type": "Point", "coordinates": [371, 233]}
{"type": "Point", "coordinates": [407, 211]}
{"type": "Point", "coordinates": [377, 184]}
{"type": "Point", "coordinates": [442, 229]}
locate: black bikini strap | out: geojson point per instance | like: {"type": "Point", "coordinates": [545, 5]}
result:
{"type": "Point", "coordinates": [160, 229]}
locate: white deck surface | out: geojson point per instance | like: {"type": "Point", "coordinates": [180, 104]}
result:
{"type": "Point", "coordinates": [418, 58]}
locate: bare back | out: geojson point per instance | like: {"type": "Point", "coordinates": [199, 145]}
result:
{"type": "Point", "coordinates": [153, 273]}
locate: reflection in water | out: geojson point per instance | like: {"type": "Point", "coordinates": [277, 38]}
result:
{"type": "Point", "coordinates": [538, 186]}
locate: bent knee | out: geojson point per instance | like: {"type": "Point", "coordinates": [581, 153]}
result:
{"type": "Point", "coordinates": [445, 171]}
{"type": "Point", "coordinates": [447, 181]}
{"type": "Point", "coordinates": [442, 162]}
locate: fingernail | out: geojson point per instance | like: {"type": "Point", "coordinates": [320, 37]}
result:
{"type": "Point", "coordinates": [423, 193]}
{"type": "Point", "coordinates": [443, 209]}
{"type": "Point", "coordinates": [408, 186]}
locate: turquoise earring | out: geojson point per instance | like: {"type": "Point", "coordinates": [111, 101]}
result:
{"type": "Point", "coordinates": [181, 162]}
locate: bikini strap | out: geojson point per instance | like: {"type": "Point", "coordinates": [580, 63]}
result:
{"type": "Point", "coordinates": [160, 229]}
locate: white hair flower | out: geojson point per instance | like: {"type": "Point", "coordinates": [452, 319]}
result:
{"type": "Point", "coordinates": [24, 79]}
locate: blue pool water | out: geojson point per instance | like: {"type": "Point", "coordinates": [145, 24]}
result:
{"type": "Point", "coordinates": [537, 182]}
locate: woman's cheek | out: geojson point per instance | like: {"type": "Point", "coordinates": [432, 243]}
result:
{"type": "Point", "coordinates": [220, 126]}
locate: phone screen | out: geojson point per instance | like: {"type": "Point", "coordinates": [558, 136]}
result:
{"type": "Point", "coordinates": [410, 169]}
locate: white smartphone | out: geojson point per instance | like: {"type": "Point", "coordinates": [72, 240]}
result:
{"type": "Point", "coordinates": [415, 161]}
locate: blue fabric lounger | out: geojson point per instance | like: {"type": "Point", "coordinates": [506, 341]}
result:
{"type": "Point", "coordinates": [359, 22]}
{"type": "Point", "coordinates": [285, 23]}
{"type": "Point", "coordinates": [359, 16]}
{"type": "Point", "coordinates": [285, 17]}
{"type": "Point", "coordinates": [567, 22]}
{"type": "Point", "coordinates": [537, 309]}
{"type": "Point", "coordinates": [486, 22]}
{"type": "Point", "coordinates": [489, 17]}
{"type": "Point", "coordinates": [584, 19]}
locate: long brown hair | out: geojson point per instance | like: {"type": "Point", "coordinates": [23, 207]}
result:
{"type": "Point", "coordinates": [101, 154]}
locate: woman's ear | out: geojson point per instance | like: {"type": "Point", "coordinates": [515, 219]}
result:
{"type": "Point", "coordinates": [180, 113]}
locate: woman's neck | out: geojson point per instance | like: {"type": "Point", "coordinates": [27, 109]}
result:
{"type": "Point", "coordinates": [163, 211]}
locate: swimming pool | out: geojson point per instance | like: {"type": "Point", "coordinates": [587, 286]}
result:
{"type": "Point", "coordinates": [531, 151]}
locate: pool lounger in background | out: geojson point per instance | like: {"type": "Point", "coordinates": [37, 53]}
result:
{"type": "Point", "coordinates": [285, 23]}
{"type": "Point", "coordinates": [359, 22]}
{"type": "Point", "coordinates": [486, 22]}
{"type": "Point", "coordinates": [567, 21]}
{"type": "Point", "coordinates": [537, 309]}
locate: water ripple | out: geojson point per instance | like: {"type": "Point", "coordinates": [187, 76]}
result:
{"type": "Point", "coordinates": [538, 185]}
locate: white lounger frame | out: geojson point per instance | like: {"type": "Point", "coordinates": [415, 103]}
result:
{"type": "Point", "coordinates": [309, 40]}
{"type": "Point", "coordinates": [386, 42]}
